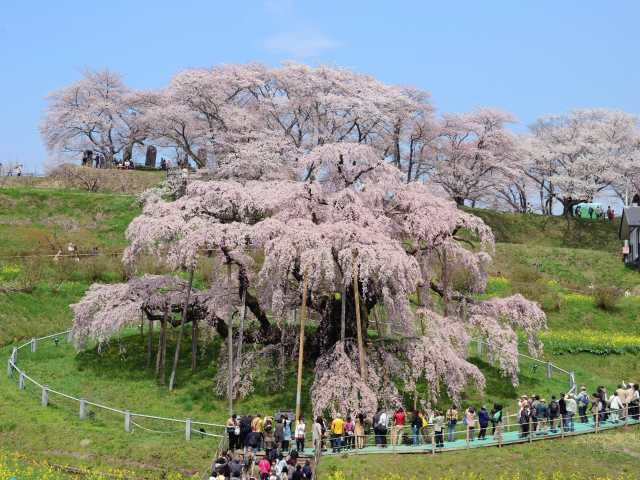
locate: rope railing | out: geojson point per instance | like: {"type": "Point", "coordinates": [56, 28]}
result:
{"type": "Point", "coordinates": [129, 417]}
{"type": "Point", "coordinates": [467, 436]}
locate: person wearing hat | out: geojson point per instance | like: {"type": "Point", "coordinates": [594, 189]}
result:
{"type": "Point", "coordinates": [583, 404]}
{"type": "Point", "coordinates": [542, 413]}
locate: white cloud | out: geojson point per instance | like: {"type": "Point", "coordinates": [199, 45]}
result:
{"type": "Point", "coordinates": [300, 43]}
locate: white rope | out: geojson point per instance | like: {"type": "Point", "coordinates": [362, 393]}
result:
{"type": "Point", "coordinates": [156, 431]}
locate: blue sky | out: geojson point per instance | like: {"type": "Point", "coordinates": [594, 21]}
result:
{"type": "Point", "coordinates": [528, 57]}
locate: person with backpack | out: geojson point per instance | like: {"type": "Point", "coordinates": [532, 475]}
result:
{"type": "Point", "coordinates": [542, 414]}
{"type": "Point", "coordinates": [380, 428]}
{"type": "Point", "coordinates": [235, 468]}
{"type": "Point", "coordinates": [307, 473]}
{"type": "Point", "coordinates": [278, 432]}
{"type": "Point", "coordinates": [496, 420]}
{"type": "Point", "coordinates": [554, 412]}
{"type": "Point", "coordinates": [583, 404]}
{"type": "Point", "coordinates": [451, 418]}
{"type": "Point", "coordinates": [483, 421]}
{"type": "Point", "coordinates": [562, 407]}
{"type": "Point", "coordinates": [297, 474]}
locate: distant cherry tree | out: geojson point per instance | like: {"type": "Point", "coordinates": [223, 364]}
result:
{"type": "Point", "coordinates": [98, 112]}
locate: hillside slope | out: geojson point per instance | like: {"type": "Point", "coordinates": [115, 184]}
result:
{"type": "Point", "coordinates": [561, 263]}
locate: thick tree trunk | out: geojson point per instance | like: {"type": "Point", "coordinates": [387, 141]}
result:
{"type": "Point", "coordinates": [343, 312]}
{"type": "Point", "coordinates": [230, 349]}
{"type": "Point", "coordinates": [243, 313]}
{"type": "Point", "coordinates": [162, 348]}
{"type": "Point", "coordinates": [303, 316]}
{"type": "Point", "coordinates": [176, 357]}
{"type": "Point", "coordinates": [459, 201]}
{"type": "Point", "coordinates": [149, 343]}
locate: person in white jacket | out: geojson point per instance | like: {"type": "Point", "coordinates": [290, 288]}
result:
{"type": "Point", "coordinates": [616, 406]}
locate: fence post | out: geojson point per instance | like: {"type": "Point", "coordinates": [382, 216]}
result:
{"type": "Point", "coordinates": [530, 429]}
{"type": "Point", "coordinates": [34, 344]}
{"type": "Point", "coordinates": [21, 381]}
{"type": "Point", "coordinates": [83, 409]}
{"type": "Point", "coordinates": [467, 436]}
{"type": "Point", "coordinates": [70, 336]}
{"type": "Point", "coordinates": [561, 426]}
{"type": "Point", "coordinates": [187, 430]}
{"type": "Point", "coordinates": [549, 369]}
{"type": "Point", "coordinates": [14, 355]}
{"type": "Point", "coordinates": [597, 420]}
{"type": "Point", "coordinates": [45, 395]}
{"type": "Point", "coordinates": [9, 368]}
{"type": "Point", "coordinates": [127, 421]}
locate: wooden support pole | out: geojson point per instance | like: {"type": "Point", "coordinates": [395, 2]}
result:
{"type": "Point", "coordinates": [230, 349]}
{"type": "Point", "coordinates": [21, 381]}
{"type": "Point", "coordinates": [343, 312]}
{"type": "Point", "coordinates": [34, 345]}
{"type": "Point", "coordinates": [83, 409]}
{"type": "Point", "coordinates": [356, 294]}
{"type": "Point", "coordinates": [176, 358]}
{"type": "Point", "coordinates": [45, 395]}
{"type": "Point", "coordinates": [303, 317]}
{"type": "Point", "coordinates": [549, 369]}
{"type": "Point", "coordinates": [187, 430]}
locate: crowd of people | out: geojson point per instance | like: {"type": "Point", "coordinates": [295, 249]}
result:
{"type": "Point", "coordinates": [282, 440]}
{"type": "Point", "coordinates": [596, 212]}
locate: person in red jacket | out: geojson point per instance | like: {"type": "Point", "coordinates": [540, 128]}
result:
{"type": "Point", "coordinates": [399, 419]}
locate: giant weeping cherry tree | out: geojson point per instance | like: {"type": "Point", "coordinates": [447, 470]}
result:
{"type": "Point", "coordinates": [334, 224]}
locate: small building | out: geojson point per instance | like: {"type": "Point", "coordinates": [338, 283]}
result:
{"type": "Point", "coordinates": [629, 233]}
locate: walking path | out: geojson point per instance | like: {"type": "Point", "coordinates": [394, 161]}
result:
{"type": "Point", "coordinates": [511, 433]}
{"type": "Point", "coordinates": [510, 437]}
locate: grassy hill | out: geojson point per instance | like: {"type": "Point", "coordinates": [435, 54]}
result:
{"type": "Point", "coordinates": [566, 265]}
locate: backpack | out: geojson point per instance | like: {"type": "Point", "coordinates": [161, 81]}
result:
{"type": "Point", "coordinates": [554, 408]}
{"type": "Point", "coordinates": [236, 469]}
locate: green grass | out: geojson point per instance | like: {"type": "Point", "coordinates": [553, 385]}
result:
{"type": "Point", "coordinates": [552, 260]}
{"type": "Point", "coordinates": [609, 454]}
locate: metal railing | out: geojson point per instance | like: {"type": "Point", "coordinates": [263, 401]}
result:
{"type": "Point", "coordinates": [189, 427]}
